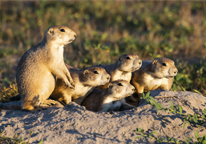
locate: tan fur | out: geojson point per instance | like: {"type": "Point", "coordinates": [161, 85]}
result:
{"type": "Point", "coordinates": [84, 80]}
{"type": "Point", "coordinates": [108, 99]}
{"type": "Point", "coordinates": [123, 68]}
{"type": "Point", "coordinates": [41, 65]}
{"type": "Point", "coordinates": [157, 74]}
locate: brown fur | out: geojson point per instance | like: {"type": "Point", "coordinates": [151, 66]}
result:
{"type": "Point", "coordinates": [108, 99]}
{"type": "Point", "coordinates": [84, 81]}
{"type": "Point", "coordinates": [157, 74]}
{"type": "Point", "coordinates": [41, 65]}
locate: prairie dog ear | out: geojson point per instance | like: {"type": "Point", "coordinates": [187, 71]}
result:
{"type": "Point", "coordinates": [85, 72]}
{"type": "Point", "coordinates": [109, 86]}
{"type": "Point", "coordinates": [50, 31]}
{"type": "Point", "coordinates": [154, 62]}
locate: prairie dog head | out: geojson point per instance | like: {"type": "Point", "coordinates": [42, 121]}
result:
{"type": "Point", "coordinates": [95, 76]}
{"type": "Point", "coordinates": [120, 89]}
{"type": "Point", "coordinates": [61, 35]}
{"type": "Point", "coordinates": [163, 67]}
{"type": "Point", "coordinates": [129, 62]}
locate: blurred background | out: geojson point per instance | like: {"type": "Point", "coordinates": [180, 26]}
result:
{"type": "Point", "coordinates": [105, 30]}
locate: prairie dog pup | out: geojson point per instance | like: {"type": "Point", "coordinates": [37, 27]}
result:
{"type": "Point", "coordinates": [84, 80]}
{"type": "Point", "coordinates": [156, 74]}
{"type": "Point", "coordinates": [123, 68]}
{"type": "Point", "coordinates": [108, 99]}
{"type": "Point", "coordinates": [41, 65]}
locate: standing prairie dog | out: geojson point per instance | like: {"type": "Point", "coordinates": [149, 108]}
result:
{"type": "Point", "coordinates": [156, 74]}
{"type": "Point", "coordinates": [108, 99]}
{"type": "Point", "coordinates": [41, 65]}
{"type": "Point", "coordinates": [123, 68]}
{"type": "Point", "coordinates": [84, 81]}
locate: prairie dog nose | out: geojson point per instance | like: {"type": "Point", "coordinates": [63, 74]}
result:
{"type": "Point", "coordinates": [75, 34]}
{"type": "Point", "coordinates": [175, 71]}
{"type": "Point", "coordinates": [108, 77]}
{"type": "Point", "coordinates": [140, 62]}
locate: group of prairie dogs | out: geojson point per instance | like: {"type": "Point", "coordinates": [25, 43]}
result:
{"type": "Point", "coordinates": [44, 79]}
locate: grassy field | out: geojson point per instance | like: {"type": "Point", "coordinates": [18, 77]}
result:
{"type": "Point", "coordinates": [105, 30]}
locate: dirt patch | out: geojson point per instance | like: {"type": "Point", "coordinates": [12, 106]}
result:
{"type": "Point", "coordinates": [75, 124]}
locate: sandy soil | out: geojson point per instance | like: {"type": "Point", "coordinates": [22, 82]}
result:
{"type": "Point", "coordinates": [75, 124]}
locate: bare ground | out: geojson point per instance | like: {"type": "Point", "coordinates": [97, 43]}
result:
{"type": "Point", "coordinates": [75, 124]}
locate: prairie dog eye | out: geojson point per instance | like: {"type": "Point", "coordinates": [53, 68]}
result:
{"type": "Point", "coordinates": [127, 57]}
{"type": "Point", "coordinates": [163, 64]}
{"type": "Point", "coordinates": [120, 84]}
{"type": "Point", "coordinates": [62, 30]}
{"type": "Point", "coordinates": [96, 72]}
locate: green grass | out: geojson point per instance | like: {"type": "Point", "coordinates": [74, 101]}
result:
{"type": "Point", "coordinates": [8, 140]}
{"type": "Point", "coordinates": [107, 29]}
{"type": "Point", "coordinates": [15, 139]}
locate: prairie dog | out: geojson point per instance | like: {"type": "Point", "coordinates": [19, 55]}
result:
{"type": "Point", "coordinates": [41, 65]}
{"type": "Point", "coordinates": [108, 99]}
{"type": "Point", "coordinates": [84, 81]}
{"type": "Point", "coordinates": [122, 68]}
{"type": "Point", "coordinates": [156, 74]}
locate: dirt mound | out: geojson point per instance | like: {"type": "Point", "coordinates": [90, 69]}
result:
{"type": "Point", "coordinates": [75, 124]}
